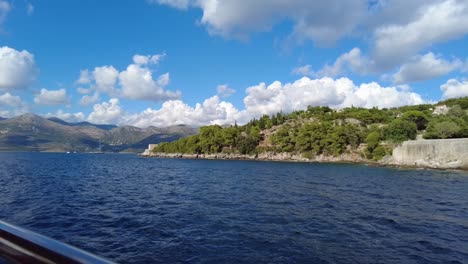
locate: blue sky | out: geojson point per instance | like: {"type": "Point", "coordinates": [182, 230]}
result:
{"type": "Point", "coordinates": [198, 62]}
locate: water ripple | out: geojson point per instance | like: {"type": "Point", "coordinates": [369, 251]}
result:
{"type": "Point", "coordinates": [136, 210]}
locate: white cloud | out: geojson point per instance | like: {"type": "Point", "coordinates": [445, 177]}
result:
{"type": "Point", "coordinates": [105, 78]}
{"type": "Point", "coordinates": [224, 91]}
{"type": "Point", "coordinates": [29, 9]}
{"type": "Point", "coordinates": [324, 22]}
{"type": "Point", "coordinates": [85, 77]}
{"type": "Point", "coordinates": [435, 22]}
{"type": "Point", "coordinates": [82, 90]}
{"type": "Point", "coordinates": [454, 88]}
{"type": "Point", "coordinates": [394, 30]}
{"type": "Point", "coordinates": [261, 99]}
{"type": "Point", "coordinates": [68, 117]}
{"type": "Point", "coordinates": [138, 84]}
{"type": "Point", "coordinates": [107, 113]}
{"type": "Point", "coordinates": [350, 61]}
{"type": "Point", "coordinates": [164, 79]}
{"type": "Point", "coordinates": [10, 100]}
{"type": "Point", "coordinates": [148, 59]}
{"type": "Point", "coordinates": [174, 112]}
{"type": "Point", "coordinates": [89, 99]}
{"type": "Point", "coordinates": [373, 95]}
{"type": "Point", "coordinates": [52, 97]}
{"type": "Point", "coordinates": [11, 105]}
{"type": "Point", "coordinates": [426, 67]}
{"type": "Point", "coordinates": [305, 70]}
{"type": "Point", "coordinates": [5, 8]}
{"type": "Point", "coordinates": [180, 4]}
{"type": "Point", "coordinates": [17, 69]}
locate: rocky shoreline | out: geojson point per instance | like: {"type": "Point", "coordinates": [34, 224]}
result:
{"type": "Point", "coordinates": [270, 156]}
{"type": "Point", "coordinates": [387, 161]}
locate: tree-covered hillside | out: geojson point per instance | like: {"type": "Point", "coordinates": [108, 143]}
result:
{"type": "Point", "coordinates": [329, 132]}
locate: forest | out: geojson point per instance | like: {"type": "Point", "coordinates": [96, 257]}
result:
{"type": "Point", "coordinates": [325, 131]}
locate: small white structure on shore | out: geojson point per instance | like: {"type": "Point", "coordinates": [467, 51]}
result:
{"type": "Point", "coordinates": [150, 148]}
{"type": "Point", "coordinates": [441, 110]}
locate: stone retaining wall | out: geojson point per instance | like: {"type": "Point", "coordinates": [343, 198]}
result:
{"type": "Point", "coordinates": [437, 153]}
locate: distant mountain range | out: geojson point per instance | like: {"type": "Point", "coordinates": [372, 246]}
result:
{"type": "Point", "coordinates": [30, 132]}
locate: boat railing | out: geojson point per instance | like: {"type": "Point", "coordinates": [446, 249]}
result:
{"type": "Point", "coordinates": [19, 245]}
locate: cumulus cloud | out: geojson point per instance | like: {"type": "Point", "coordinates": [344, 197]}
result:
{"type": "Point", "coordinates": [136, 82]}
{"type": "Point", "coordinates": [324, 22]}
{"type": "Point", "coordinates": [261, 99]}
{"type": "Point", "coordinates": [373, 95]}
{"type": "Point", "coordinates": [396, 30]}
{"type": "Point", "coordinates": [211, 111]}
{"type": "Point", "coordinates": [398, 33]}
{"type": "Point", "coordinates": [435, 22]}
{"type": "Point", "coordinates": [327, 21]}
{"type": "Point", "coordinates": [105, 78]}
{"type": "Point", "coordinates": [224, 91]}
{"type": "Point", "coordinates": [10, 100]}
{"type": "Point", "coordinates": [11, 105]}
{"type": "Point", "coordinates": [17, 69]}
{"type": "Point", "coordinates": [454, 88]}
{"type": "Point", "coordinates": [52, 97]}
{"type": "Point", "coordinates": [85, 77]}
{"type": "Point", "coordinates": [89, 99]}
{"type": "Point", "coordinates": [107, 113]}
{"type": "Point", "coordinates": [426, 67]}
{"type": "Point", "coordinates": [350, 61]}
{"type": "Point", "coordinates": [68, 117]}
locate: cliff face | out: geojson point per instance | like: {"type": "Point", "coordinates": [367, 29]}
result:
{"type": "Point", "coordinates": [438, 153]}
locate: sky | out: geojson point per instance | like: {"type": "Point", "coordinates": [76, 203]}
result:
{"type": "Point", "coordinates": [200, 62]}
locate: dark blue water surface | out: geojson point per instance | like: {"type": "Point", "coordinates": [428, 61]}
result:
{"type": "Point", "coordinates": [138, 210]}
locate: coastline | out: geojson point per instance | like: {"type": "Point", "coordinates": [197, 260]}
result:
{"type": "Point", "coordinates": [288, 157]}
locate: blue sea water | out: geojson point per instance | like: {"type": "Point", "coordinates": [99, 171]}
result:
{"type": "Point", "coordinates": [139, 210]}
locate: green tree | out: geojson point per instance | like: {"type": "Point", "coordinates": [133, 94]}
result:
{"type": "Point", "coordinates": [418, 117]}
{"type": "Point", "coordinates": [378, 153]}
{"type": "Point", "coordinates": [456, 111]}
{"type": "Point", "coordinates": [247, 145]}
{"type": "Point", "coordinates": [400, 130]}
{"type": "Point", "coordinates": [443, 129]}
{"type": "Point", "coordinates": [372, 140]}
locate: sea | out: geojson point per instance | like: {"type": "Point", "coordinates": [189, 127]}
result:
{"type": "Point", "coordinates": [131, 209]}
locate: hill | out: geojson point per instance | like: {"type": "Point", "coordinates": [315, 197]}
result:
{"type": "Point", "coordinates": [322, 133]}
{"type": "Point", "coordinates": [81, 124]}
{"type": "Point", "coordinates": [30, 132]}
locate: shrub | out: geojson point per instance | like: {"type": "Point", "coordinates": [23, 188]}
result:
{"type": "Point", "coordinates": [400, 130]}
{"type": "Point", "coordinates": [378, 153]}
{"type": "Point", "coordinates": [418, 117]}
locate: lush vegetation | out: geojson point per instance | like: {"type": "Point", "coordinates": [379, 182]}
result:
{"type": "Point", "coordinates": [325, 131]}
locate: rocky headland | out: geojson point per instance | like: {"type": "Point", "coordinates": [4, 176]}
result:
{"type": "Point", "coordinates": [435, 154]}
